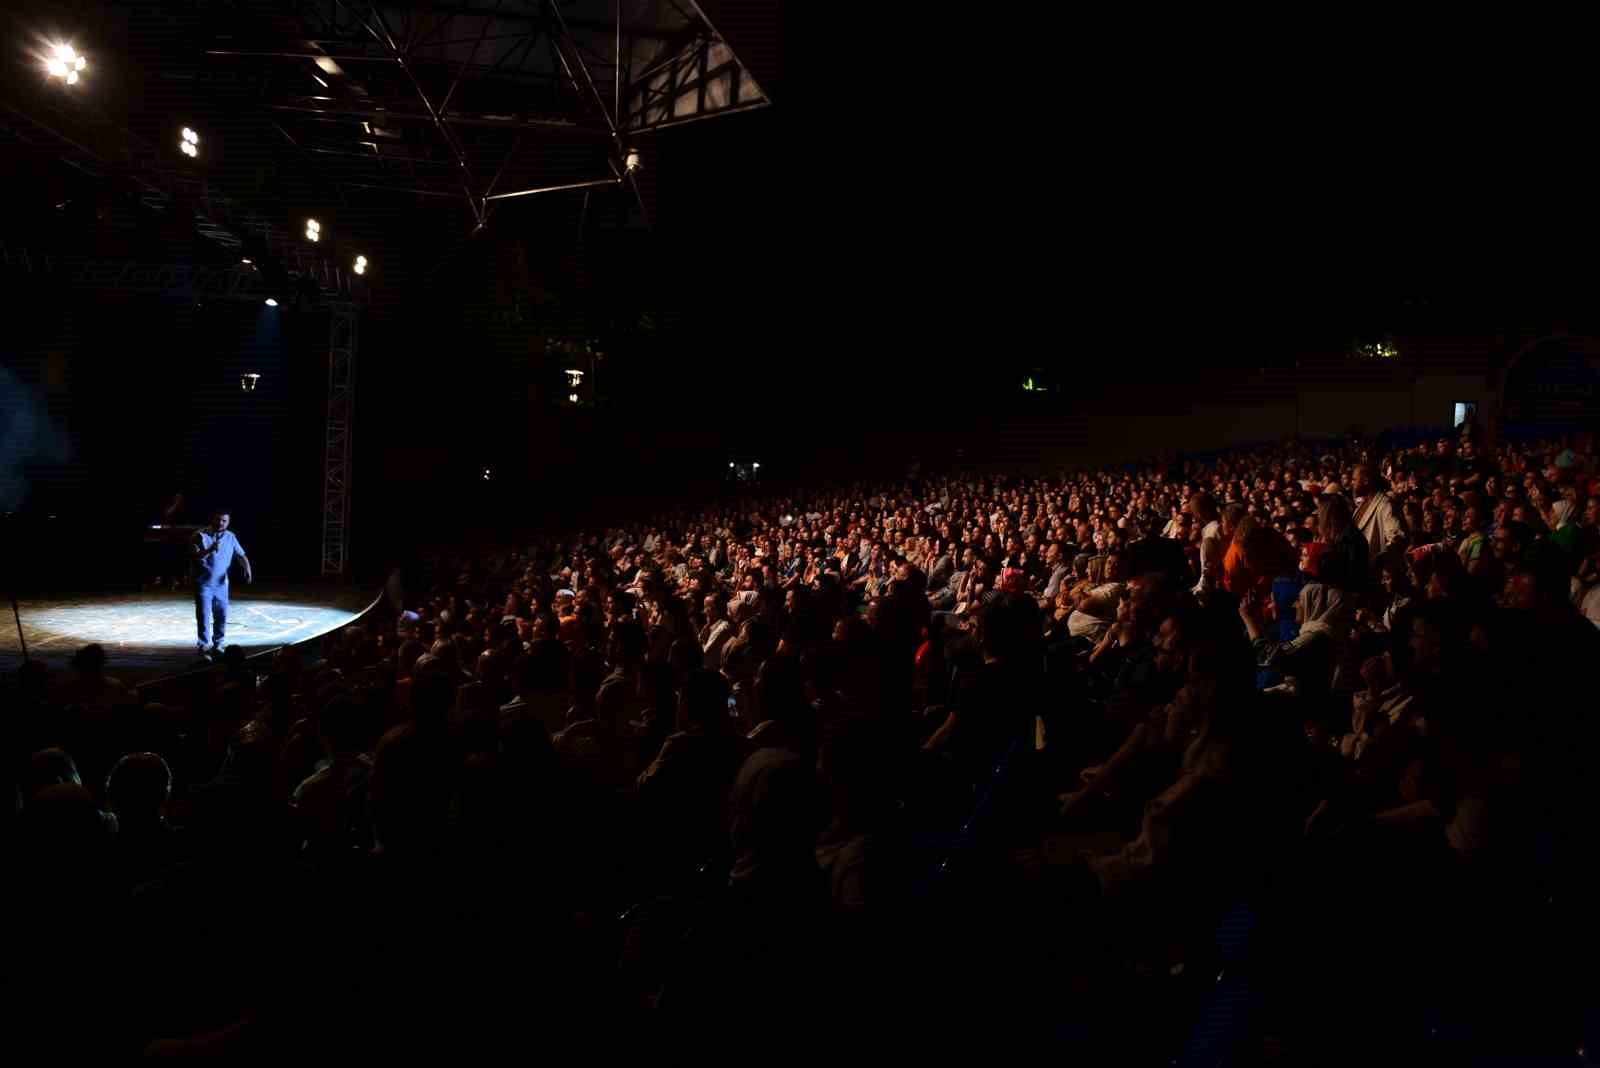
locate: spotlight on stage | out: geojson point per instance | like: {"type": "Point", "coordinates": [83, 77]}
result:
{"type": "Point", "coordinates": [247, 382]}
{"type": "Point", "coordinates": [572, 398]}
{"type": "Point", "coordinates": [189, 143]}
{"type": "Point", "coordinates": [361, 265]}
{"type": "Point", "coordinates": [632, 162]}
{"type": "Point", "coordinates": [65, 63]}
{"type": "Point", "coordinates": [271, 303]}
{"type": "Point", "coordinates": [313, 230]}
{"type": "Point", "coordinates": [574, 377]}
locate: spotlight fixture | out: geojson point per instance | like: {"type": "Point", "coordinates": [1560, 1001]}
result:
{"type": "Point", "coordinates": [313, 230]}
{"type": "Point", "coordinates": [574, 377]}
{"type": "Point", "coordinates": [189, 144]}
{"type": "Point", "coordinates": [572, 398]}
{"type": "Point", "coordinates": [755, 467]}
{"type": "Point", "coordinates": [65, 63]}
{"type": "Point", "coordinates": [632, 162]}
{"type": "Point", "coordinates": [361, 265]}
{"type": "Point", "coordinates": [271, 303]}
{"type": "Point", "coordinates": [247, 261]}
{"type": "Point", "coordinates": [247, 382]}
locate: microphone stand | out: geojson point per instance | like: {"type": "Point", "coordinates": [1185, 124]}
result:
{"type": "Point", "coordinates": [16, 614]}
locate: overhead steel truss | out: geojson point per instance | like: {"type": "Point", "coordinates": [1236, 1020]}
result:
{"type": "Point", "coordinates": [199, 282]}
{"type": "Point", "coordinates": [489, 101]}
{"type": "Point", "coordinates": [168, 184]}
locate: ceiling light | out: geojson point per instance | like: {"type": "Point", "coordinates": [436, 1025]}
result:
{"type": "Point", "coordinates": [65, 63]}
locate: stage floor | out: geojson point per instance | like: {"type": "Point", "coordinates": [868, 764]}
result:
{"type": "Point", "coordinates": [149, 636]}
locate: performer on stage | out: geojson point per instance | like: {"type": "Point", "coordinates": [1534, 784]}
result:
{"type": "Point", "coordinates": [215, 549]}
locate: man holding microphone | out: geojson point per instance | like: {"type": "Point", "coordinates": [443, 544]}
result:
{"type": "Point", "coordinates": [214, 551]}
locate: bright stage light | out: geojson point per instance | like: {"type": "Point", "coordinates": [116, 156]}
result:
{"type": "Point", "coordinates": [632, 161]}
{"type": "Point", "coordinates": [361, 265]}
{"type": "Point", "coordinates": [271, 303]}
{"type": "Point", "coordinates": [247, 382]}
{"type": "Point", "coordinates": [190, 136]}
{"type": "Point", "coordinates": [65, 63]}
{"type": "Point", "coordinates": [245, 260]}
{"type": "Point", "coordinates": [313, 230]}
{"type": "Point", "coordinates": [572, 398]}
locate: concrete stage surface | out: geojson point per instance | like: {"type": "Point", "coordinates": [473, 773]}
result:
{"type": "Point", "coordinates": [149, 636]}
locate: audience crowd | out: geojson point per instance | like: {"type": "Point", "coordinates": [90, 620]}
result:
{"type": "Point", "coordinates": [942, 758]}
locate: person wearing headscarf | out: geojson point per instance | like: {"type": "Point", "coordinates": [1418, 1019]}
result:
{"type": "Point", "coordinates": [1319, 659]}
{"type": "Point", "coordinates": [1564, 528]}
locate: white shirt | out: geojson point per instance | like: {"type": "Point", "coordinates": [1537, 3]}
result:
{"type": "Point", "coordinates": [1377, 522]}
{"type": "Point", "coordinates": [1211, 553]}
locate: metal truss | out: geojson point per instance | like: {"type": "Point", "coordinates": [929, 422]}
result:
{"type": "Point", "coordinates": [336, 467]}
{"type": "Point", "coordinates": [487, 101]}
{"type": "Point", "coordinates": [202, 282]}
{"type": "Point", "coordinates": [170, 185]}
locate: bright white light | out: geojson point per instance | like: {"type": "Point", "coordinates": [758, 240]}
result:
{"type": "Point", "coordinates": [65, 63]}
{"type": "Point", "coordinates": [572, 397]}
{"type": "Point", "coordinates": [756, 466]}
{"type": "Point", "coordinates": [271, 303]}
{"type": "Point", "coordinates": [190, 136]}
{"type": "Point", "coordinates": [319, 81]}
{"type": "Point", "coordinates": [312, 224]}
{"type": "Point", "coordinates": [245, 260]}
{"type": "Point", "coordinates": [361, 268]}
{"type": "Point", "coordinates": [730, 463]}
{"type": "Point", "coordinates": [188, 149]}
{"type": "Point", "coordinates": [313, 235]}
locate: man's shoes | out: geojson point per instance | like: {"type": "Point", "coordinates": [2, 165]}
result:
{"type": "Point", "coordinates": [216, 650]}
{"type": "Point", "coordinates": [203, 652]}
